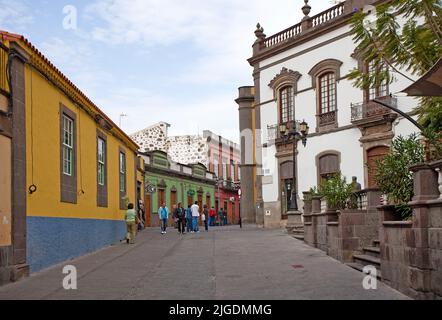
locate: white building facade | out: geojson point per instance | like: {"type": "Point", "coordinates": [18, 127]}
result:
{"type": "Point", "coordinates": [301, 74]}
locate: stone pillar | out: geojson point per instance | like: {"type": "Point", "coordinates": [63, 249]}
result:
{"type": "Point", "coordinates": [316, 212]}
{"type": "Point", "coordinates": [13, 265]}
{"type": "Point", "coordinates": [248, 167]}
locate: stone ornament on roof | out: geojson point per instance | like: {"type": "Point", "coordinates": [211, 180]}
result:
{"type": "Point", "coordinates": [306, 9]}
{"type": "Point", "coordinates": [259, 32]}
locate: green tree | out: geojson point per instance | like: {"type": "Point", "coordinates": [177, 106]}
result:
{"type": "Point", "coordinates": [407, 35]}
{"type": "Point", "coordinates": [393, 175]}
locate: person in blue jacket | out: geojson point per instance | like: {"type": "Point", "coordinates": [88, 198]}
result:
{"type": "Point", "coordinates": [189, 227]}
{"type": "Point", "coordinates": [163, 213]}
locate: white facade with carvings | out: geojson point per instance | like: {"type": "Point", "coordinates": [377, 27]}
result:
{"type": "Point", "coordinates": [314, 59]}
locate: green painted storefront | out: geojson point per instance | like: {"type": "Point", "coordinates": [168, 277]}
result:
{"type": "Point", "coordinates": [173, 183]}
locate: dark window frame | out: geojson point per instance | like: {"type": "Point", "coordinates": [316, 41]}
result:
{"type": "Point", "coordinates": [68, 183]}
{"type": "Point", "coordinates": [286, 104]}
{"type": "Point", "coordinates": [123, 194]}
{"type": "Point", "coordinates": [102, 190]}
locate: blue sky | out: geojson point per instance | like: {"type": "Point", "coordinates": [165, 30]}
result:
{"type": "Point", "coordinates": [156, 60]}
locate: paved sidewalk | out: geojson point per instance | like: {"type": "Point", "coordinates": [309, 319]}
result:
{"type": "Point", "coordinates": [226, 263]}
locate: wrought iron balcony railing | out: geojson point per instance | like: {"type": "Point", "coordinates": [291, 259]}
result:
{"type": "Point", "coordinates": [327, 118]}
{"type": "Point", "coordinates": [370, 110]}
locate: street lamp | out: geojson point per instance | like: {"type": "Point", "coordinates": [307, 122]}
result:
{"type": "Point", "coordinates": [294, 131]}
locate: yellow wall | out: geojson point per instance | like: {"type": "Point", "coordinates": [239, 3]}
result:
{"type": "Point", "coordinates": [43, 134]}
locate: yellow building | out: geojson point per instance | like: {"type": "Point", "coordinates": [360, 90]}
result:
{"type": "Point", "coordinates": [69, 170]}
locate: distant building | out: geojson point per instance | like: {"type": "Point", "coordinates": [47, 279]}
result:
{"type": "Point", "coordinates": [172, 183]}
{"type": "Point", "coordinates": [219, 155]}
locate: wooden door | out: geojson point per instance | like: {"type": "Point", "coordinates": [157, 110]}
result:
{"type": "Point", "coordinates": [148, 212]}
{"type": "Point", "coordinates": [373, 155]}
{"type": "Point", "coordinates": [173, 199]}
{"type": "Point", "coordinates": [200, 204]}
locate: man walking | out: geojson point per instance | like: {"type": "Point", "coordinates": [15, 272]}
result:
{"type": "Point", "coordinates": [163, 213]}
{"type": "Point", "coordinates": [195, 217]}
{"type": "Point", "coordinates": [221, 217]}
{"type": "Point", "coordinates": [180, 216]}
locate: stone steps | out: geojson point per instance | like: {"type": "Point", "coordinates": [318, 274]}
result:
{"type": "Point", "coordinates": [359, 267]}
{"type": "Point", "coordinates": [373, 251]}
{"type": "Point", "coordinates": [376, 243]}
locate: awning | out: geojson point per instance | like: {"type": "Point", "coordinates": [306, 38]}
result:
{"type": "Point", "coordinates": [430, 85]}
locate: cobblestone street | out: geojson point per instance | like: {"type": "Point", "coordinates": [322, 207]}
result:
{"type": "Point", "coordinates": [226, 263]}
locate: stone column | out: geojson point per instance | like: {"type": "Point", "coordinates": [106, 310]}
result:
{"type": "Point", "coordinates": [248, 167]}
{"type": "Point", "coordinates": [13, 265]}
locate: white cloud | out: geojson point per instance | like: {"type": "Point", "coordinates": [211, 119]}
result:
{"type": "Point", "coordinates": [144, 108]}
{"type": "Point", "coordinates": [14, 15]}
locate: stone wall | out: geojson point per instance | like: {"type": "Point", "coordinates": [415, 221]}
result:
{"type": "Point", "coordinates": [342, 233]}
{"type": "Point", "coordinates": [188, 149]}
{"type": "Point", "coordinates": [152, 138]}
{"type": "Point", "coordinates": [411, 251]}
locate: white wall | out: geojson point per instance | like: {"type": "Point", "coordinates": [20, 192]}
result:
{"type": "Point", "coordinates": [346, 141]}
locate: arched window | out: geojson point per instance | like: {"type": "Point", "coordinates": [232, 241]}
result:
{"type": "Point", "coordinates": [286, 104]}
{"type": "Point", "coordinates": [327, 84]}
{"type": "Point", "coordinates": [325, 76]}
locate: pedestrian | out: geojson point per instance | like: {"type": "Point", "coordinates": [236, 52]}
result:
{"type": "Point", "coordinates": [163, 213]}
{"type": "Point", "coordinates": [180, 216]}
{"type": "Point", "coordinates": [212, 215]}
{"type": "Point", "coordinates": [195, 217]}
{"type": "Point", "coordinates": [221, 217]}
{"type": "Point", "coordinates": [205, 217]}
{"type": "Point", "coordinates": [189, 227]}
{"type": "Point", "coordinates": [131, 223]}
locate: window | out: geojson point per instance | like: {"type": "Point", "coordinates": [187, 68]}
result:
{"type": "Point", "coordinates": [122, 172]}
{"type": "Point", "coordinates": [286, 105]}
{"type": "Point", "coordinates": [68, 155]}
{"type": "Point", "coordinates": [380, 90]}
{"type": "Point", "coordinates": [102, 189]}
{"type": "Point", "coordinates": [327, 84]}
{"type": "Point", "coordinates": [232, 170]}
{"type": "Point", "coordinates": [101, 162]}
{"type": "Point", "coordinates": [68, 145]}
{"type": "Point", "coordinates": [216, 166]}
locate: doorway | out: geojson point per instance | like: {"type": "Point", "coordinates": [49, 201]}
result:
{"type": "Point", "coordinates": [373, 155]}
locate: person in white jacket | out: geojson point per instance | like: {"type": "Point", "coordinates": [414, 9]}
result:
{"type": "Point", "coordinates": [195, 217]}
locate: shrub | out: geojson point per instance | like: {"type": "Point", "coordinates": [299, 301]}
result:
{"type": "Point", "coordinates": [337, 191]}
{"type": "Point", "coordinates": [393, 175]}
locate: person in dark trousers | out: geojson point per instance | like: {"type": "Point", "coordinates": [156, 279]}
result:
{"type": "Point", "coordinates": [205, 217]}
{"type": "Point", "coordinates": [221, 217]}
{"type": "Point", "coordinates": [179, 215]}
{"type": "Point", "coordinates": [189, 219]}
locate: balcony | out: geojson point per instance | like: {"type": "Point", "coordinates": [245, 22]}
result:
{"type": "Point", "coordinates": [371, 111]}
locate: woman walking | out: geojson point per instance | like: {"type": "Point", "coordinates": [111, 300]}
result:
{"type": "Point", "coordinates": [189, 227]}
{"type": "Point", "coordinates": [163, 213]}
{"type": "Point", "coordinates": [131, 223]}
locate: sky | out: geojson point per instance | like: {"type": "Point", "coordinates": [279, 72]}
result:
{"type": "Point", "coordinates": [175, 61]}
